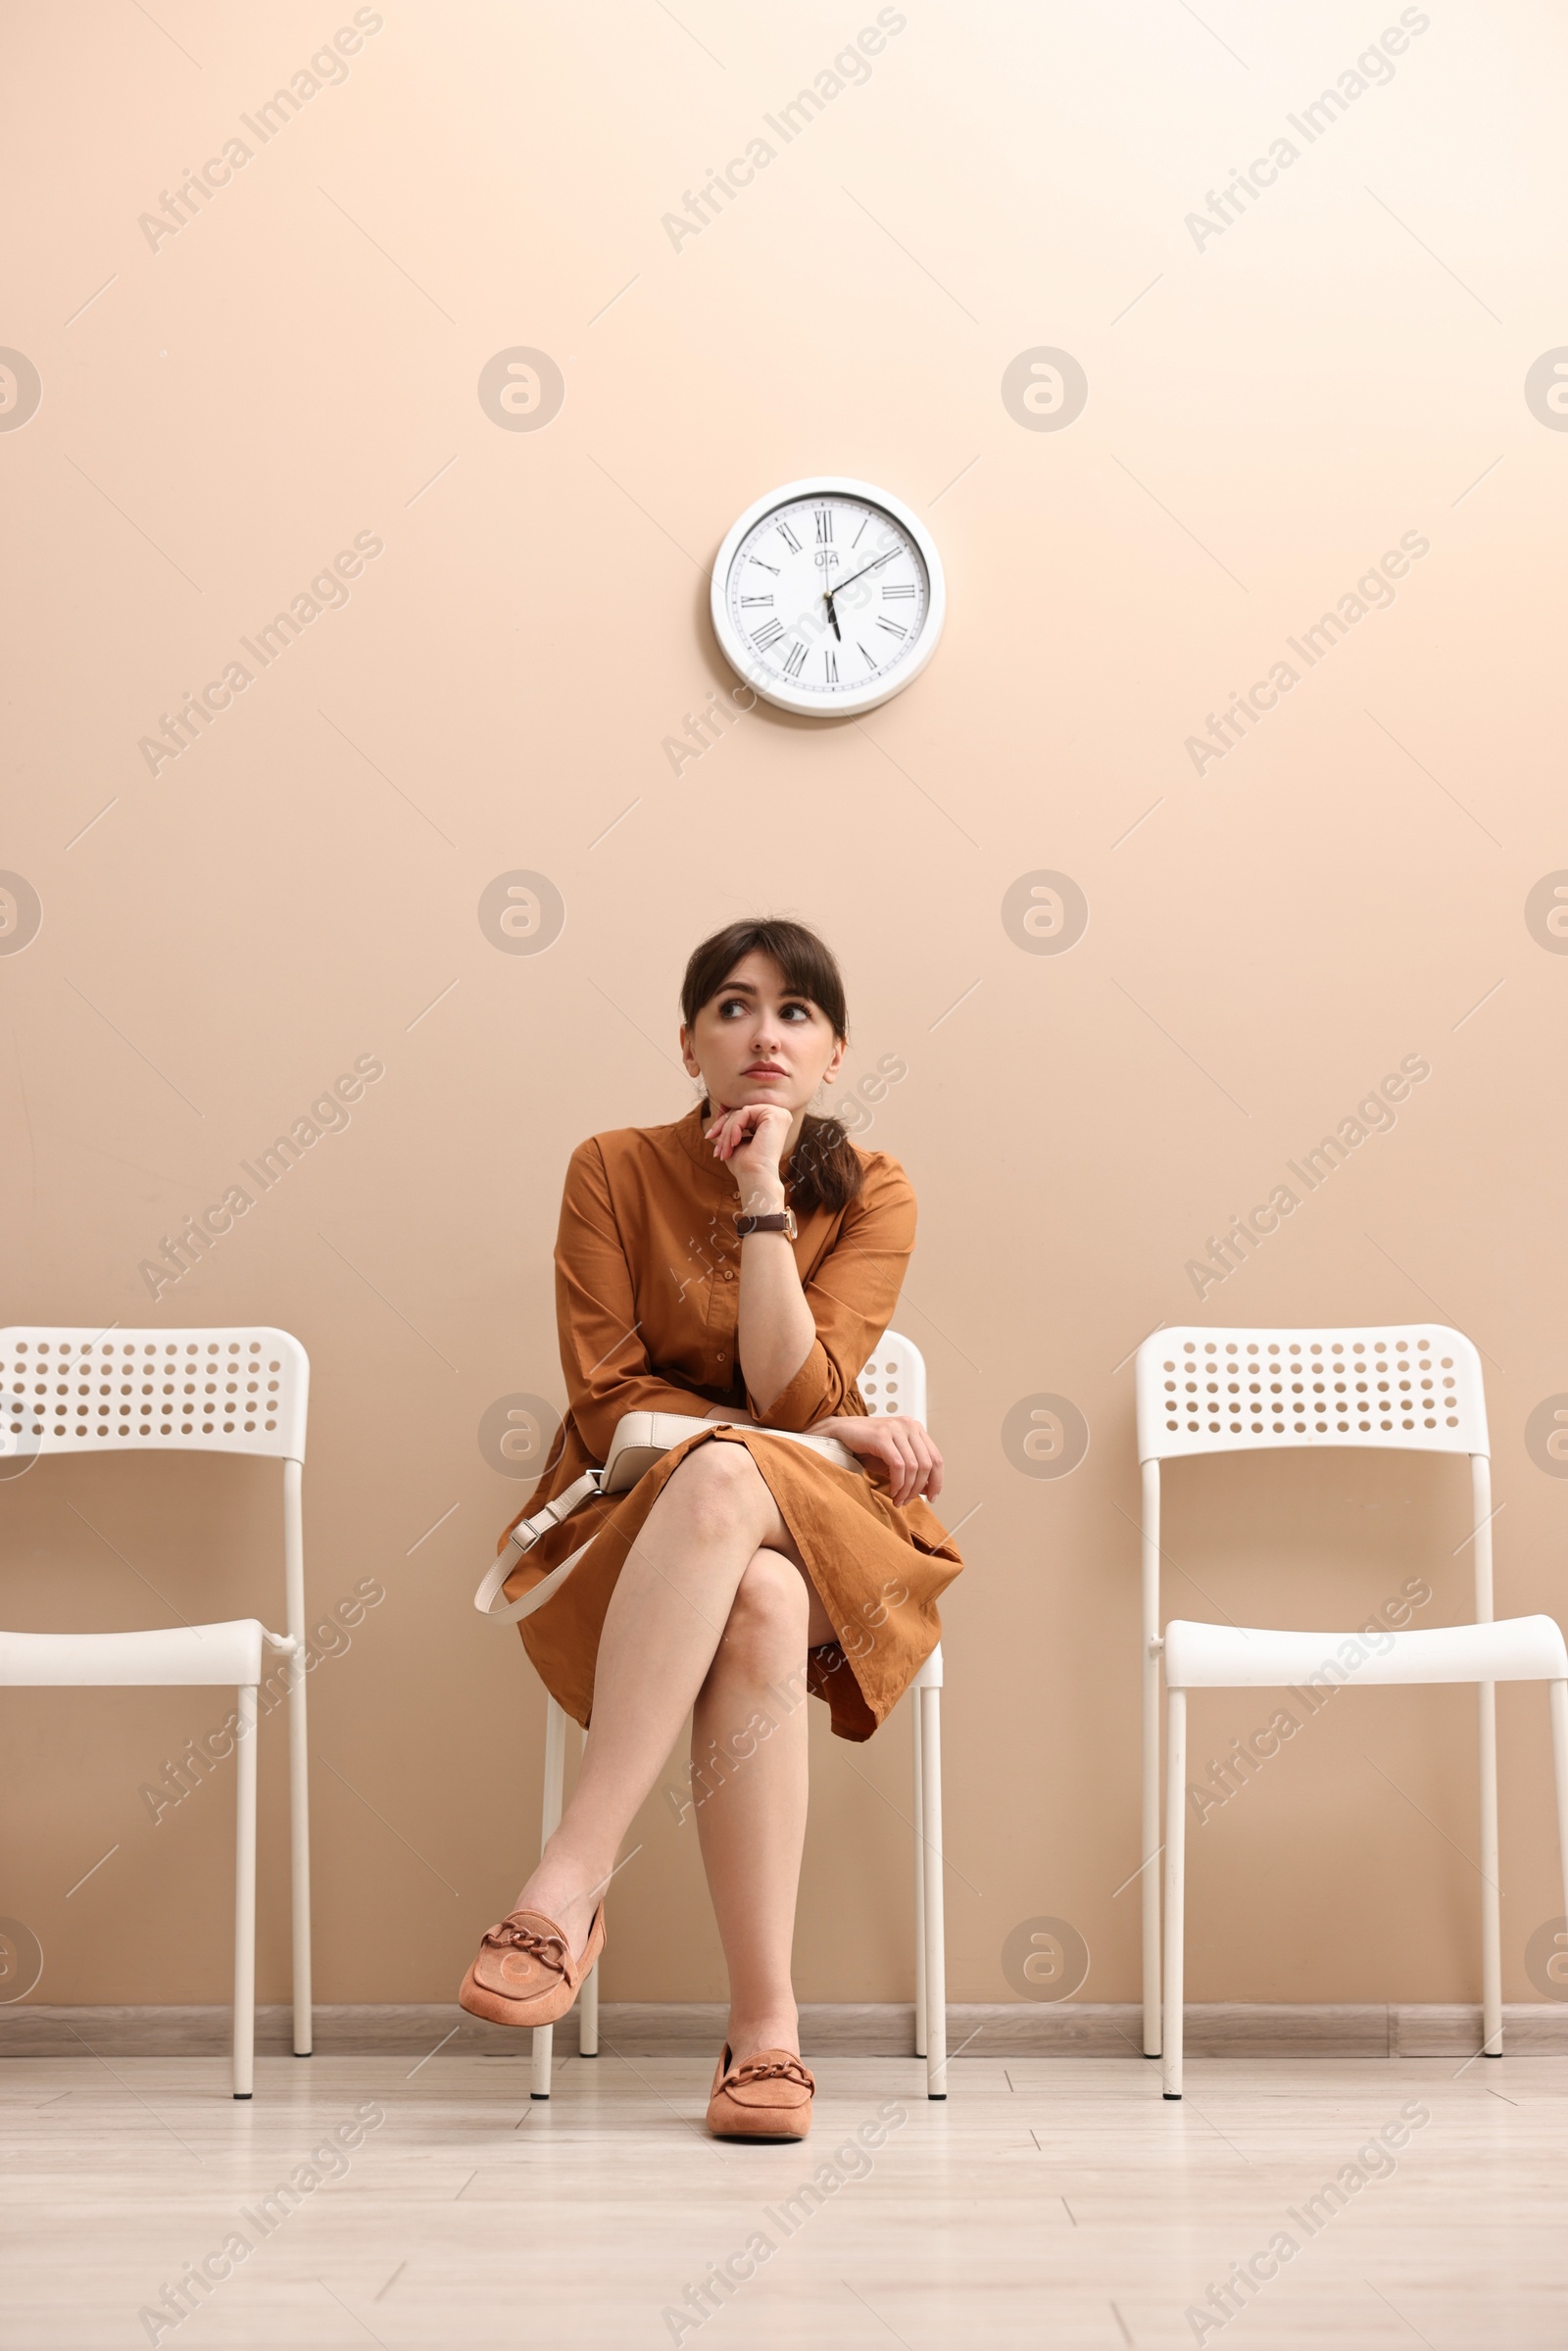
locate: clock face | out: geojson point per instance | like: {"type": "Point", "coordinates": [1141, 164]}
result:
{"type": "Point", "coordinates": [829, 597]}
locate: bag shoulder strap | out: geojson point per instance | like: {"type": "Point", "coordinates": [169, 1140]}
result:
{"type": "Point", "coordinates": [512, 1612]}
{"type": "Point", "coordinates": [521, 1539]}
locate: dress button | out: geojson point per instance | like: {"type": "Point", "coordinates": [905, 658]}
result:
{"type": "Point", "coordinates": [721, 1357]}
{"type": "Point", "coordinates": [728, 1275]}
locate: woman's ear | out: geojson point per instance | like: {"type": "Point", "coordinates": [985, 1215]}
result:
{"type": "Point", "coordinates": [692, 1066]}
{"type": "Point", "coordinates": [835, 1059]}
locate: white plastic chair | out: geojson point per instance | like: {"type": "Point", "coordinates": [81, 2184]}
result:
{"type": "Point", "coordinates": [230, 1390]}
{"type": "Point", "coordinates": [894, 1381]}
{"type": "Point", "coordinates": [1415, 1388]}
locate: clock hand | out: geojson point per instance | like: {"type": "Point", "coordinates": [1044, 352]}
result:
{"type": "Point", "coordinates": [827, 598]}
{"type": "Point", "coordinates": [865, 567]}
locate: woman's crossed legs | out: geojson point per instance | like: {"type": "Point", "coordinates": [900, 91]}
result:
{"type": "Point", "coordinates": [713, 1612]}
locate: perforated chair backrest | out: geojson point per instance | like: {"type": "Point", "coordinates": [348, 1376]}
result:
{"type": "Point", "coordinates": [894, 1380]}
{"type": "Point", "coordinates": [1410, 1386]}
{"type": "Point", "coordinates": [241, 1390]}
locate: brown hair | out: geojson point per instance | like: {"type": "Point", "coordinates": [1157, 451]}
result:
{"type": "Point", "coordinates": [824, 1168]}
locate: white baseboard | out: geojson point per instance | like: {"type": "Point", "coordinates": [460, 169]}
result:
{"type": "Point", "coordinates": [847, 2028]}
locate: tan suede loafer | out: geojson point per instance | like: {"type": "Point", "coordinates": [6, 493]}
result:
{"type": "Point", "coordinates": [765, 2096]}
{"type": "Point", "coordinates": [524, 1973]}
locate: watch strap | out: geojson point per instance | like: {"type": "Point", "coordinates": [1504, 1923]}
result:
{"type": "Point", "coordinates": [782, 1220]}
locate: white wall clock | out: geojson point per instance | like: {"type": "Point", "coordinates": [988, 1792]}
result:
{"type": "Point", "coordinates": [829, 597]}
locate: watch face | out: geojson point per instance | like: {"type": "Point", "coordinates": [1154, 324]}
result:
{"type": "Point", "coordinates": [829, 597]}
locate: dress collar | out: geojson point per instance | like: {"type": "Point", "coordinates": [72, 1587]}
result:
{"type": "Point", "coordinates": [689, 1133]}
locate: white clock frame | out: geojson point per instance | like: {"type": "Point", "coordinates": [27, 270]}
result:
{"type": "Point", "coordinates": [850, 700]}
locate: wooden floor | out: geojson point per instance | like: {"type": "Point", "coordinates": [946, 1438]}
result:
{"type": "Point", "coordinates": [1055, 2201]}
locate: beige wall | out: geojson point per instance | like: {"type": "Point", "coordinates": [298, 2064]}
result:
{"type": "Point", "coordinates": [1268, 412]}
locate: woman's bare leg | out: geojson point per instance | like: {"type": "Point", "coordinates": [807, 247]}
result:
{"type": "Point", "coordinates": [666, 1619]}
{"type": "Point", "coordinates": [749, 1784]}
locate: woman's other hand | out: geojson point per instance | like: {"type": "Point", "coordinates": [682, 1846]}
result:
{"type": "Point", "coordinates": [900, 1446]}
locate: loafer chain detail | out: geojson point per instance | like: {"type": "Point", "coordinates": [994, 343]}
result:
{"type": "Point", "coordinates": [512, 1936]}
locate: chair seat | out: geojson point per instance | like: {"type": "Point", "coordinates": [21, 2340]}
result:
{"type": "Point", "coordinates": [1520, 1648]}
{"type": "Point", "coordinates": [178, 1654]}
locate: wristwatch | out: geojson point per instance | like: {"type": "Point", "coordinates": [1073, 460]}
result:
{"type": "Point", "coordinates": [781, 1221]}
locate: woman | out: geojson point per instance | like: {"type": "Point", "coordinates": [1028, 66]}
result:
{"type": "Point", "coordinates": [741, 1565]}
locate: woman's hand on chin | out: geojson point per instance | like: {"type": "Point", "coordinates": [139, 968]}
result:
{"type": "Point", "coordinates": [750, 1141]}
{"type": "Point", "coordinates": [895, 1445]}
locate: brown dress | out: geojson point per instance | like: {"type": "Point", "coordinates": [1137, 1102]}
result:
{"type": "Point", "coordinates": [647, 1302]}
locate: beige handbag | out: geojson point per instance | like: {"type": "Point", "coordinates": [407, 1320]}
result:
{"type": "Point", "coordinates": [641, 1438]}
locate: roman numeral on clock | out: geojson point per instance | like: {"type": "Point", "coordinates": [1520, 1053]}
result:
{"type": "Point", "coordinates": [893, 628]}
{"type": "Point", "coordinates": [789, 538]}
{"type": "Point", "coordinates": [795, 660]}
{"type": "Point", "coordinates": [892, 588]}
{"type": "Point", "coordinates": [830, 666]}
{"type": "Point", "coordinates": [824, 526]}
{"type": "Point", "coordinates": [769, 634]}
{"type": "Point", "coordinates": [756, 600]}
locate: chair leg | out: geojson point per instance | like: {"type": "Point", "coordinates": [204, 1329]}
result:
{"type": "Point", "coordinates": [245, 1896]}
{"type": "Point", "coordinates": [588, 2004]}
{"type": "Point", "coordinates": [555, 1790]}
{"type": "Point", "coordinates": [936, 1973]}
{"type": "Point", "coordinates": [299, 1827]}
{"type": "Point", "coordinates": [1149, 1877]}
{"type": "Point", "coordinates": [1175, 1857]}
{"type": "Point", "coordinates": [298, 1807]}
{"type": "Point", "coordinates": [1557, 1692]}
{"type": "Point", "coordinates": [1490, 1900]}
{"type": "Point", "coordinates": [919, 1888]}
